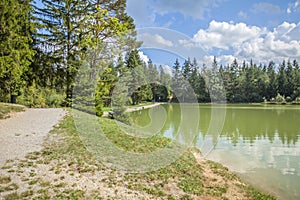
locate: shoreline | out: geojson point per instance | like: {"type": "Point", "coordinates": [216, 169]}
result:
{"type": "Point", "coordinates": [65, 168]}
{"type": "Point", "coordinates": [136, 108]}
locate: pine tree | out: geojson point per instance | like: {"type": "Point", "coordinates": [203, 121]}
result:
{"type": "Point", "coordinates": [15, 46]}
{"type": "Point", "coordinates": [272, 83]}
{"type": "Point", "coordinates": [282, 79]}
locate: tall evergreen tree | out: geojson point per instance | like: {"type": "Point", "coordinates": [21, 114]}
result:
{"type": "Point", "coordinates": [15, 46]}
{"type": "Point", "coordinates": [282, 79]}
{"type": "Point", "coordinates": [272, 82]}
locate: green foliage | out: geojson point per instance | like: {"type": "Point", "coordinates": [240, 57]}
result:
{"type": "Point", "coordinates": [242, 83]}
{"type": "Point", "coordinates": [279, 98]}
{"type": "Point", "coordinates": [35, 96]}
{"type": "Point", "coordinates": [15, 40]}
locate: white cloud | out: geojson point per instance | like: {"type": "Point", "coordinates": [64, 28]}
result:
{"type": "Point", "coordinates": [163, 41]}
{"type": "Point", "coordinates": [250, 42]}
{"type": "Point", "coordinates": [144, 57]}
{"type": "Point", "coordinates": [167, 69]}
{"type": "Point", "coordinates": [155, 40]}
{"type": "Point", "coordinates": [224, 35]}
{"type": "Point", "coordinates": [267, 8]}
{"type": "Point", "coordinates": [224, 59]}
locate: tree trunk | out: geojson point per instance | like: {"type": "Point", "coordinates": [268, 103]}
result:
{"type": "Point", "coordinates": [13, 99]}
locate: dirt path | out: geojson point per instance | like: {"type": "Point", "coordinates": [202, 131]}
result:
{"type": "Point", "coordinates": [24, 132]}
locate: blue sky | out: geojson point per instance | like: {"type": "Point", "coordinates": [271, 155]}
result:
{"type": "Point", "coordinates": [227, 29]}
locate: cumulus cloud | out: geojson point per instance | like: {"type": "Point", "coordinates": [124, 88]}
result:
{"type": "Point", "coordinates": [223, 59]}
{"type": "Point", "coordinates": [224, 35]}
{"type": "Point", "coordinates": [144, 57]}
{"type": "Point", "coordinates": [250, 42]}
{"type": "Point", "coordinates": [267, 8]}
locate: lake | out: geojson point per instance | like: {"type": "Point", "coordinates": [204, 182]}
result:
{"type": "Point", "coordinates": [258, 142]}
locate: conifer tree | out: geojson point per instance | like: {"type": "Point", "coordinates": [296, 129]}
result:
{"type": "Point", "coordinates": [15, 46]}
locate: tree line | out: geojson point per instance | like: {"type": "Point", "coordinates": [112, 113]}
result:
{"type": "Point", "coordinates": [85, 53]}
{"type": "Point", "coordinates": [242, 83]}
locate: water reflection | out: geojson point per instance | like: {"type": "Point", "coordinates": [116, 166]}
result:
{"type": "Point", "coordinates": [260, 142]}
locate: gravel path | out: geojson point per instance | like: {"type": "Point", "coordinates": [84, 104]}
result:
{"type": "Point", "coordinates": [25, 132]}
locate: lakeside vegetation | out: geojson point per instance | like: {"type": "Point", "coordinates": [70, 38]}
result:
{"type": "Point", "coordinates": [65, 169]}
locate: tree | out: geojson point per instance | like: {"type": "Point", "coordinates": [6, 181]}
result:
{"type": "Point", "coordinates": [15, 45]}
{"type": "Point", "coordinates": [70, 27]}
{"type": "Point", "coordinates": [138, 88]}
{"type": "Point", "coordinates": [290, 76]}
{"type": "Point", "coordinates": [282, 79]}
{"type": "Point", "coordinates": [187, 69]}
{"type": "Point", "coordinates": [214, 83]}
{"type": "Point", "coordinates": [272, 82]}
{"type": "Point", "coordinates": [177, 86]}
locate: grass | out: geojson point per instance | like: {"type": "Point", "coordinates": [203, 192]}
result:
{"type": "Point", "coordinates": [6, 109]}
{"type": "Point", "coordinates": [65, 157]}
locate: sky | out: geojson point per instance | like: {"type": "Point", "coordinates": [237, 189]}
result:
{"type": "Point", "coordinates": [228, 29]}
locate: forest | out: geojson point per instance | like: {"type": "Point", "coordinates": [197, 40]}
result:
{"type": "Point", "coordinates": [45, 49]}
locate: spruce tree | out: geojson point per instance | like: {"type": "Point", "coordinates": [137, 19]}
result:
{"type": "Point", "coordinates": [15, 46]}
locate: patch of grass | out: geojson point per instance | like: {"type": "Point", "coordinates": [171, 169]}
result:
{"type": "Point", "coordinates": [128, 142]}
{"type": "Point", "coordinates": [6, 109]}
{"type": "Point", "coordinates": [7, 167]}
{"type": "Point", "coordinates": [33, 182]}
{"type": "Point", "coordinates": [255, 194]}
{"type": "Point", "coordinates": [70, 194]}
{"type": "Point", "coordinates": [4, 179]}
{"type": "Point", "coordinates": [12, 196]}
{"type": "Point", "coordinates": [10, 187]}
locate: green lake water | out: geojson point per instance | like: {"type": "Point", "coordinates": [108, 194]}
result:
{"type": "Point", "coordinates": [260, 143]}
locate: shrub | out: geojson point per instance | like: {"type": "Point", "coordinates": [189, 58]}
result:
{"type": "Point", "coordinates": [37, 97]}
{"type": "Point", "coordinates": [280, 99]}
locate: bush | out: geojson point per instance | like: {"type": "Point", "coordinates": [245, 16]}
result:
{"type": "Point", "coordinates": [54, 100]}
{"type": "Point", "coordinates": [288, 99]}
{"type": "Point", "coordinates": [37, 97]}
{"type": "Point", "coordinates": [280, 99]}
{"type": "Point", "coordinates": [32, 97]}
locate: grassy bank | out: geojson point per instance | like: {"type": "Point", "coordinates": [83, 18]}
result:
{"type": "Point", "coordinates": [64, 169]}
{"type": "Point", "coordinates": [7, 109]}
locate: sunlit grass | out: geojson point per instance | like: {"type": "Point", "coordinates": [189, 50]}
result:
{"type": "Point", "coordinates": [6, 109]}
